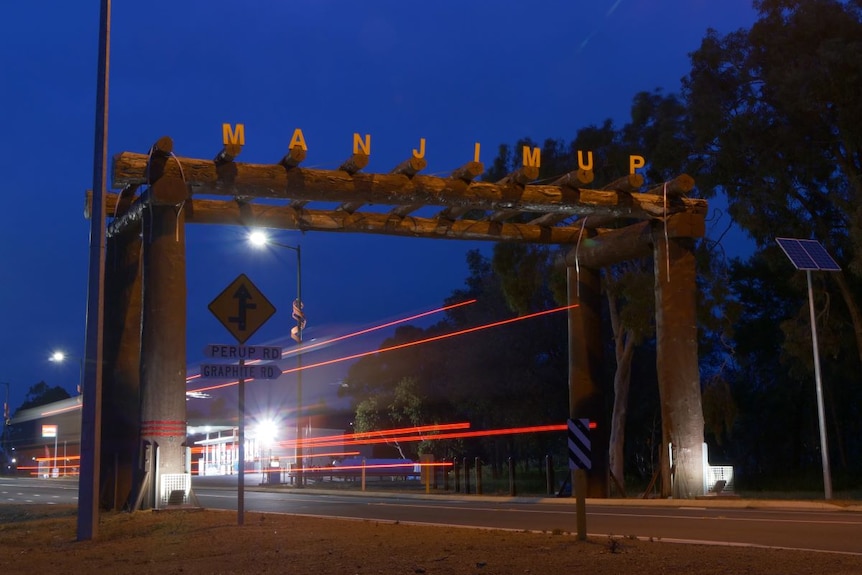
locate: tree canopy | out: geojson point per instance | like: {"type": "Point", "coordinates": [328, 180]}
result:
{"type": "Point", "coordinates": [770, 118]}
{"type": "Point", "coordinates": [42, 394]}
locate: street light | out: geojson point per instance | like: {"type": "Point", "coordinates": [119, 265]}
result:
{"type": "Point", "coordinates": [60, 356]}
{"type": "Point", "coordinates": [260, 239]}
{"type": "Point", "coordinates": [6, 420]}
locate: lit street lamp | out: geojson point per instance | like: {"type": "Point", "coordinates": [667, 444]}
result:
{"type": "Point", "coordinates": [260, 239]}
{"type": "Point", "coordinates": [6, 419]}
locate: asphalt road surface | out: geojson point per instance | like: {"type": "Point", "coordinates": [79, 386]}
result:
{"type": "Point", "coordinates": [814, 526]}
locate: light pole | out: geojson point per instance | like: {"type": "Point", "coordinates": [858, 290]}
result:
{"type": "Point", "coordinates": [6, 419]}
{"type": "Point", "coordinates": [60, 356]}
{"type": "Point", "coordinates": [260, 239]}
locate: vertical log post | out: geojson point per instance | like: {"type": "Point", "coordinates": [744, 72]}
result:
{"type": "Point", "coordinates": [121, 402]}
{"type": "Point", "coordinates": [585, 369]}
{"type": "Point", "coordinates": [678, 375]}
{"type": "Point", "coordinates": [163, 332]}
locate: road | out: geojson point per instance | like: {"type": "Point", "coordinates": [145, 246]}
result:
{"type": "Point", "coordinates": [793, 525]}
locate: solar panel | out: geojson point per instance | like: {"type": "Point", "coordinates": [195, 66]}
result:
{"type": "Point", "coordinates": [820, 256]}
{"type": "Point", "coordinates": [807, 254]}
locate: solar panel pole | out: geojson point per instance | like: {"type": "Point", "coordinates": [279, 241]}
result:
{"type": "Point", "coordinates": [824, 450]}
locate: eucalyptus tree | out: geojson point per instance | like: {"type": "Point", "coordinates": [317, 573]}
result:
{"type": "Point", "coordinates": [776, 126]}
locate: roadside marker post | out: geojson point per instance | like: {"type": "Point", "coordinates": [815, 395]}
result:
{"type": "Point", "coordinates": [580, 461]}
{"type": "Point", "coordinates": [242, 309]}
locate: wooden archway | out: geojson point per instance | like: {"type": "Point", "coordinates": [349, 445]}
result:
{"type": "Point", "coordinates": [145, 310]}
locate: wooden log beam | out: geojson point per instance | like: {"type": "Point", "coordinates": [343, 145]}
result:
{"type": "Point", "coordinates": [635, 241]}
{"type": "Point", "coordinates": [503, 215]}
{"type": "Point", "coordinates": [575, 179]}
{"type": "Point", "coordinates": [232, 212]}
{"type": "Point", "coordinates": [452, 213]}
{"type": "Point", "coordinates": [402, 211]}
{"type": "Point", "coordinates": [157, 158]}
{"type": "Point", "coordinates": [678, 186]}
{"type": "Point", "coordinates": [155, 196]}
{"type": "Point", "coordinates": [549, 219]}
{"type": "Point", "coordinates": [468, 172]}
{"type": "Point", "coordinates": [409, 167]}
{"type": "Point", "coordinates": [521, 177]}
{"type": "Point", "coordinates": [354, 163]}
{"type": "Point", "coordinates": [294, 157]}
{"type": "Point", "coordinates": [273, 181]}
{"type": "Point", "coordinates": [629, 184]}
{"type": "Point", "coordinates": [227, 154]}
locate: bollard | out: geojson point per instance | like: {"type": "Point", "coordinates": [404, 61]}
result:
{"type": "Point", "coordinates": [512, 490]}
{"type": "Point", "coordinates": [580, 490]}
{"type": "Point", "coordinates": [478, 465]}
{"type": "Point", "coordinates": [549, 473]}
{"type": "Point", "coordinates": [466, 476]}
{"type": "Point", "coordinates": [457, 473]}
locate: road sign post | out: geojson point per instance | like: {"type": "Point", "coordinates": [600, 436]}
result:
{"type": "Point", "coordinates": [580, 461]}
{"type": "Point", "coordinates": [242, 309]}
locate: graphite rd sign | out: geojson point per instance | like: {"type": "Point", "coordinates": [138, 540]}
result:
{"type": "Point", "coordinates": [234, 371]}
{"type": "Point", "coordinates": [241, 308]}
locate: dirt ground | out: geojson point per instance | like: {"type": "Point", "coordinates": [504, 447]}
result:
{"type": "Point", "coordinates": [41, 539]}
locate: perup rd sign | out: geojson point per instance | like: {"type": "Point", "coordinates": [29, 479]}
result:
{"type": "Point", "coordinates": [248, 352]}
{"type": "Point", "coordinates": [243, 353]}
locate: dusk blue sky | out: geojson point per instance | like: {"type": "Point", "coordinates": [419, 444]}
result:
{"type": "Point", "coordinates": [452, 72]}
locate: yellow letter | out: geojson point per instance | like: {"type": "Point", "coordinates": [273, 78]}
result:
{"type": "Point", "coordinates": [476, 152]}
{"type": "Point", "coordinates": [421, 152]}
{"type": "Point", "coordinates": [231, 137]}
{"type": "Point", "coordinates": [636, 162]}
{"type": "Point", "coordinates": [532, 159]}
{"type": "Point", "coordinates": [359, 144]}
{"type": "Point", "coordinates": [297, 140]}
{"type": "Point", "coordinates": [589, 165]}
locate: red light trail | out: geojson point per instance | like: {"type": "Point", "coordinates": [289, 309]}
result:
{"type": "Point", "coordinates": [355, 438]}
{"type": "Point", "coordinates": [436, 437]}
{"type": "Point", "coordinates": [378, 327]}
{"type": "Point", "coordinates": [357, 333]}
{"type": "Point", "coordinates": [403, 345]}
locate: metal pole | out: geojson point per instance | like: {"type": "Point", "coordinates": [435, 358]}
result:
{"type": "Point", "coordinates": [240, 485]}
{"type": "Point", "coordinates": [6, 419]}
{"type": "Point", "coordinates": [91, 413]}
{"type": "Point", "coordinates": [824, 450]}
{"type": "Point", "coordinates": [299, 325]}
{"type": "Point", "coordinates": [81, 376]}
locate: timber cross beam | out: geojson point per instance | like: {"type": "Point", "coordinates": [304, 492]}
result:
{"type": "Point", "coordinates": [284, 195]}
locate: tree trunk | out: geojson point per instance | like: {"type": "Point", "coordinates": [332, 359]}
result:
{"type": "Point", "coordinates": [622, 382]}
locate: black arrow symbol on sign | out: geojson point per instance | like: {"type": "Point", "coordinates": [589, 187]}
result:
{"type": "Point", "coordinates": [242, 296]}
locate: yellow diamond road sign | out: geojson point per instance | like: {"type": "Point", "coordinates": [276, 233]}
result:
{"type": "Point", "coordinates": [241, 308]}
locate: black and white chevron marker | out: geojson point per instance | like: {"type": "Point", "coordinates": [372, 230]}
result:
{"type": "Point", "coordinates": [579, 444]}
